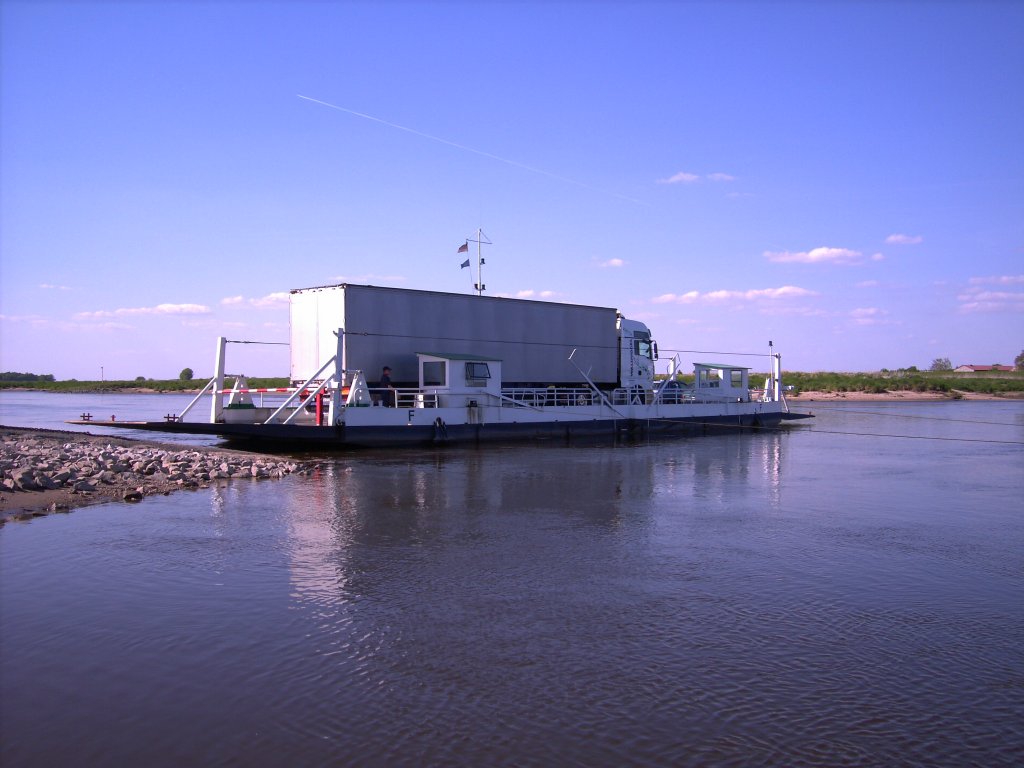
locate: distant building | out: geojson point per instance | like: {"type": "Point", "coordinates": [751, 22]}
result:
{"type": "Point", "coordinates": [982, 368]}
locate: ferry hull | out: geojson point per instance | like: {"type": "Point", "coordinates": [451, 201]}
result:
{"type": "Point", "coordinates": [420, 435]}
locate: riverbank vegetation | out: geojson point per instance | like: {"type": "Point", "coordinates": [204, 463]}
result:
{"type": "Point", "coordinates": [907, 380]}
{"type": "Point", "coordinates": [139, 384]}
{"type": "Point", "coordinates": [903, 380]}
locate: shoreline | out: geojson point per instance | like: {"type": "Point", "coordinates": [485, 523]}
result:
{"type": "Point", "coordinates": [45, 471]}
{"type": "Point", "coordinates": [896, 396]}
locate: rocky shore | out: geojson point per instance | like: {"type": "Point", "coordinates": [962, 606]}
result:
{"type": "Point", "coordinates": [46, 471]}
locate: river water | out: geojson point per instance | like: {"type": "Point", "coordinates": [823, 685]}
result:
{"type": "Point", "coordinates": [847, 592]}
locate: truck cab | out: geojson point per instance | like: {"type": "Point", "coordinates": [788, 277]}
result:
{"type": "Point", "coordinates": [637, 353]}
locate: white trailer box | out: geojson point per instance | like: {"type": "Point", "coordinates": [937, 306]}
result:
{"type": "Point", "coordinates": [389, 326]}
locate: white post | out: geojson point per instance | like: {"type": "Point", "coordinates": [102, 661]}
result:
{"type": "Point", "coordinates": [479, 263]}
{"type": "Point", "coordinates": [217, 406]}
{"type": "Point", "coordinates": [777, 376]}
{"type": "Point", "coordinates": [334, 412]}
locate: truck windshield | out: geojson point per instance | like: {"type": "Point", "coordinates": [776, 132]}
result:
{"type": "Point", "coordinates": [642, 345]}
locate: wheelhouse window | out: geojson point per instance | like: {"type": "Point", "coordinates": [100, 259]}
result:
{"type": "Point", "coordinates": [477, 371]}
{"type": "Point", "coordinates": [435, 373]}
{"type": "Point", "coordinates": [710, 377]}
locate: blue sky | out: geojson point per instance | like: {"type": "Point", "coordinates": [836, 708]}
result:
{"type": "Point", "coordinates": [845, 179]}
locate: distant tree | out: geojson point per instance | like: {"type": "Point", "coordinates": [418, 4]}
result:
{"type": "Point", "coordinates": [140, 378]}
{"type": "Point", "coordinates": [941, 364]}
{"type": "Point", "coordinates": [1018, 361]}
{"type": "Point", "coordinates": [186, 374]}
{"type": "Point", "coordinates": [15, 376]}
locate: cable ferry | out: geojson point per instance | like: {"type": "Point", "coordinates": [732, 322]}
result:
{"type": "Point", "coordinates": [470, 369]}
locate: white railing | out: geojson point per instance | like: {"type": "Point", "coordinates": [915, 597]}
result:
{"type": "Point", "coordinates": [403, 398]}
{"type": "Point", "coordinates": [536, 397]}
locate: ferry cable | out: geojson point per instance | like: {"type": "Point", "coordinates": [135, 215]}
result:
{"type": "Point", "coordinates": [811, 428]}
{"type": "Point", "coordinates": [484, 341]}
{"type": "Point", "coordinates": [537, 343]}
{"type": "Point", "coordinates": [909, 416]}
{"type": "Point", "coordinates": [269, 343]}
{"type": "Point", "coordinates": [711, 352]}
{"type": "Point", "coordinates": [917, 437]}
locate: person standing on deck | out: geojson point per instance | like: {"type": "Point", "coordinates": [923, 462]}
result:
{"type": "Point", "coordinates": [385, 383]}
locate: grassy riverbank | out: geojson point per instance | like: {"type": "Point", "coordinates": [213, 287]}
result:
{"type": "Point", "coordinates": [897, 384]}
{"type": "Point", "coordinates": [942, 383]}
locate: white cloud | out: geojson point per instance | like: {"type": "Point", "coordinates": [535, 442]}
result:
{"type": "Point", "coordinates": [65, 326]}
{"type": "Point", "coordinates": [36, 320]}
{"type": "Point", "coordinates": [867, 284]}
{"type": "Point", "coordinates": [1001, 280]}
{"type": "Point", "coordinates": [898, 239]}
{"type": "Point", "coordinates": [690, 178]}
{"type": "Point", "coordinates": [159, 309]}
{"type": "Point", "coordinates": [51, 287]}
{"type": "Point", "coordinates": [672, 298]}
{"type": "Point", "coordinates": [613, 263]}
{"type": "Point", "coordinates": [112, 326]}
{"type": "Point", "coordinates": [991, 301]}
{"type": "Point", "coordinates": [817, 256]}
{"type": "Point", "coordinates": [680, 178]}
{"type": "Point", "coordinates": [977, 298]}
{"type": "Point", "coordinates": [272, 300]}
{"type": "Point", "coordinates": [529, 293]}
{"type": "Point", "coordinates": [368, 279]}
{"type": "Point", "coordinates": [869, 316]}
{"type": "Point", "coordinates": [754, 294]}
{"type": "Point", "coordinates": [791, 311]}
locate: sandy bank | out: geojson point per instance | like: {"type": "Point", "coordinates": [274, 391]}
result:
{"type": "Point", "coordinates": [44, 471]}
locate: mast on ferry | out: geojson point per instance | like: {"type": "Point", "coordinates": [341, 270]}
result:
{"type": "Point", "coordinates": [480, 240]}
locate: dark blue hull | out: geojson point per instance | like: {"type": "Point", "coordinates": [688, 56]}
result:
{"type": "Point", "coordinates": [344, 437]}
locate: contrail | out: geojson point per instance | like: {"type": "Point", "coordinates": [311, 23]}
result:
{"type": "Point", "coordinates": [463, 147]}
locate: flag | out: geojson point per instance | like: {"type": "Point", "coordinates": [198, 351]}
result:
{"type": "Point", "coordinates": [464, 248]}
{"type": "Point", "coordinates": [465, 264]}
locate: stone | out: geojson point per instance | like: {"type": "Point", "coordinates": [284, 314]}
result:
{"type": "Point", "coordinates": [24, 479]}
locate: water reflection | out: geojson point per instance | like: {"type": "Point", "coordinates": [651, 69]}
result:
{"type": "Point", "coordinates": [355, 508]}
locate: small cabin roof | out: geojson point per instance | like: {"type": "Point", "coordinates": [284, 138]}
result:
{"type": "Point", "coordinates": [460, 356]}
{"type": "Point", "coordinates": [724, 365]}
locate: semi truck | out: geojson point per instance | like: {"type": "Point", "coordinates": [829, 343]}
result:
{"type": "Point", "coordinates": [539, 343]}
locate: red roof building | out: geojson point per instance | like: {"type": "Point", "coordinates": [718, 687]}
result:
{"type": "Point", "coordinates": [982, 368]}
